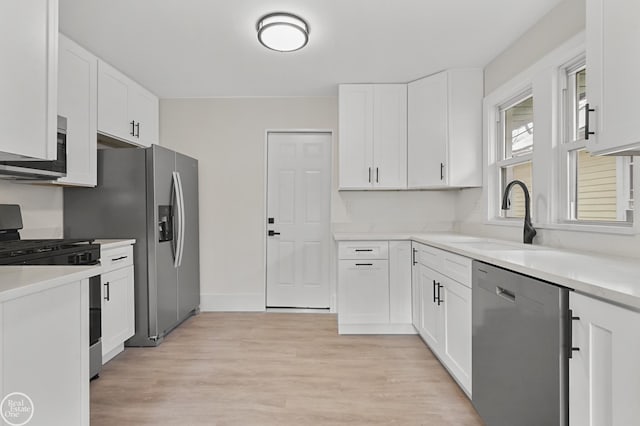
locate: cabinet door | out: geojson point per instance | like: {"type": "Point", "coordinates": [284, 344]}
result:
{"type": "Point", "coordinates": [144, 112]}
{"type": "Point", "coordinates": [355, 105]}
{"type": "Point", "coordinates": [428, 132]}
{"type": "Point", "coordinates": [456, 308]}
{"type": "Point", "coordinates": [613, 87]}
{"type": "Point", "coordinates": [431, 314]}
{"type": "Point", "coordinates": [77, 101]}
{"type": "Point", "coordinates": [113, 103]}
{"type": "Point", "coordinates": [390, 136]}
{"type": "Point", "coordinates": [363, 292]}
{"type": "Point", "coordinates": [416, 291]}
{"type": "Point", "coordinates": [28, 79]}
{"type": "Point", "coordinates": [400, 282]}
{"type": "Point", "coordinates": [604, 374]}
{"type": "Point", "coordinates": [118, 323]}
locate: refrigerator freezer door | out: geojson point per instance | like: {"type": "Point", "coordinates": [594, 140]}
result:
{"type": "Point", "coordinates": [189, 270]}
{"type": "Point", "coordinates": [163, 279]}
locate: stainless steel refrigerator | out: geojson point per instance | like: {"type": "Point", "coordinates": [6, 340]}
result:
{"type": "Point", "coordinates": [151, 195]}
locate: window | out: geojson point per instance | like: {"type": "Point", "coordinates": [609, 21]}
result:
{"type": "Point", "coordinates": [596, 190]}
{"type": "Point", "coordinates": [515, 145]}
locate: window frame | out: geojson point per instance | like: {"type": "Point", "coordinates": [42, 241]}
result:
{"type": "Point", "coordinates": [568, 147]}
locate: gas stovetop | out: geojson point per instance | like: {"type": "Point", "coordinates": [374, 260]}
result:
{"type": "Point", "coordinates": [50, 251]}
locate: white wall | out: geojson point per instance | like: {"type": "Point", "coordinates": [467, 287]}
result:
{"type": "Point", "coordinates": [41, 208]}
{"type": "Point", "coordinates": [227, 136]}
{"type": "Point", "coordinates": [560, 25]}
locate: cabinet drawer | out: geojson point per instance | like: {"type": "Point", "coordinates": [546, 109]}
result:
{"type": "Point", "coordinates": [457, 267]}
{"type": "Point", "coordinates": [354, 250]}
{"type": "Point", "coordinates": [430, 256]}
{"type": "Point", "coordinates": [116, 258]}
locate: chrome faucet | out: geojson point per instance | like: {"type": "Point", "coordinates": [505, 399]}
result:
{"type": "Point", "coordinates": [529, 230]}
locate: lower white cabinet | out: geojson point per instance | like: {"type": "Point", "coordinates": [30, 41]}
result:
{"type": "Point", "coordinates": [118, 304]}
{"type": "Point", "coordinates": [44, 353]}
{"type": "Point", "coordinates": [604, 371]}
{"type": "Point", "coordinates": [374, 287]}
{"type": "Point", "coordinates": [443, 304]}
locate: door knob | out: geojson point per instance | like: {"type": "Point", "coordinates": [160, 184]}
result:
{"type": "Point", "coordinates": [272, 233]}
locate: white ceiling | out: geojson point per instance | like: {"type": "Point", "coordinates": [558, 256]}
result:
{"type": "Point", "coordinates": [206, 48]}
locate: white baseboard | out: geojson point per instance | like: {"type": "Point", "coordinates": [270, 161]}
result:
{"type": "Point", "coordinates": [235, 302]}
{"type": "Point", "coordinates": [112, 353]}
{"type": "Point", "coordinates": [376, 329]}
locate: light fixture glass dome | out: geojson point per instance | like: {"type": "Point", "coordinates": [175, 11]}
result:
{"type": "Point", "coordinates": [283, 32]}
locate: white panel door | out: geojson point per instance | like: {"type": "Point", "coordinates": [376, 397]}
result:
{"type": "Point", "coordinates": [456, 305]}
{"type": "Point", "coordinates": [364, 292]}
{"type": "Point", "coordinates": [118, 323]}
{"type": "Point", "coordinates": [356, 136]}
{"type": "Point", "coordinates": [78, 102]}
{"type": "Point", "coordinates": [298, 204]}
{"type": "Point", "coordinates": [390, 136]}
{"type": "Point", "coordinates": [604, 373]}
{"type": "Point", "coordinates": [428, 131]}
{"type": "Point", "coordinates": [416, 290]}
{"type": "Point", "coordinates": [400, 282]}
{"type": "Point", "coordinates": [113, 103]}
{"type": "Point", "coordinates": [28, 79]}
{"type": "Point", "coordinates": [144, 112]}
{"type": "Point", "coordinates": [431, 314]}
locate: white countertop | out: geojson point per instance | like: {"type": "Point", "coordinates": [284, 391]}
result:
{"type": "Point", "coordinates": [22, 280]}
{"type": "Point", "coordinates": [109, 244]}
{"type": "Point", "coordinates": [615, 279]}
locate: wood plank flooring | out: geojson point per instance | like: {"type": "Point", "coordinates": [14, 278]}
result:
{"type": "Point", "coordinates": [263, 369]}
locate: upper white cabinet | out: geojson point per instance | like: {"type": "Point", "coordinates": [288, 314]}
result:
{"type": "Point", "coordinates": [126, 110]}
{"type": "Point", "coordinates": [78, 101]}
{"type": "Point", "coordinates": [373, 136]}
{"type": "Point", "coordinates": [445, 130]}
{"type": "Point", "coordinates": [613, 67]}
{"type": "Point", "coordinates": [28, 79]}
{"type": "Point", "coordinates": [604, 373]}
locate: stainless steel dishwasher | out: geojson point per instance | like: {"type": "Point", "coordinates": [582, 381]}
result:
{"type": "Point", "coordinates": [520, 369]}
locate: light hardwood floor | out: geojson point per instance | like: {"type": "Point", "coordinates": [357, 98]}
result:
{"type": "Point", "coordinates": [263, 369]}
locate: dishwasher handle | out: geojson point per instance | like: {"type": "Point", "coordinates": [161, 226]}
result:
{"type": "Point", "coordinates": [506, 294]}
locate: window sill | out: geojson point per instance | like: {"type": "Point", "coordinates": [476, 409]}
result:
{"type": "Point", "coordinates": [598, 229]}
{"type": "Point", "coordinates": [579, 227]}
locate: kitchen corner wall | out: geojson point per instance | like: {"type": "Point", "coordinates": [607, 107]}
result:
{"type": "Point", "coordinates": [560, 24]}
{"type": "Point", "coordinates": [228, 137]}
{"type": "Point", "coordinates": [41, 208]}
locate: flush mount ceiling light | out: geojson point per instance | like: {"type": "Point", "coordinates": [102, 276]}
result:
{"type": "Point", "coordinates": [283, 32]}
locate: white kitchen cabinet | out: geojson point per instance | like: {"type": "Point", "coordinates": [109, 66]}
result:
{"type": "Point", "coordinates": [28, 79]}
{"type": "Point", "coordinates": [44, 352]}
{"type": "Point", "coordinates": [416, 289]}
{"type": "Point", "coordinates": [372, 136]}
{"type": "Point", "coordinates": [126, 111]}
{"type": "Point", "coordinates": [364, 292]}
{"type": "Point", "coordinates": [604, 373]}
{"type": "Point", "coordinates": [444, 304]}
{"type": "Point", "coordinates": [613, 67]}
{"type": "Point", "coordinates": [445, 130]}
{"type": "Point", "coordinates": [118, 304]}
{"type": "Point", "coordinates": [374, 287]}
{"type": "Point", "coordinates": [78, 102]}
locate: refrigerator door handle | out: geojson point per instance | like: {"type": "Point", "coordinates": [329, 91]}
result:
{"type": "Point", "coordinates": [178, 216]}
{"type": "Point", "coordinates": [182, 219]}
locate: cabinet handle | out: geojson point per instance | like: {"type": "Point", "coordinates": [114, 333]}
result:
{"type": "Point", "coordinates": [414, 257]}
{"type": "Point", "coordinates": [441, 171]}
{"type": "Point", "coordinates": [439, 298]}
{"type": "Point", "coordinates": [133, 128]}
{"type": "Point", "coordinates": [369, 174]}
{"type": "Point", "coordinates": [358, 250]}
{"type": "Point", "coordinates": [572, 349]}
{"type": "Point", "coordinates": [119, 258]}
{"type": "Point", "coordinates": [364, 264]}
{"type": "Point", "coordinates": [587, 130]}
{"type": "Point", "coordinates": [108, 296]}
{"type": "Point", "coordinates": [435, 298]}
{"type": "Point", "coordinates": [377, 175]}
{"type": "Point", "coordinates": [272, 233]}
{"type": "Point", "coordinates": [137, 130]}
